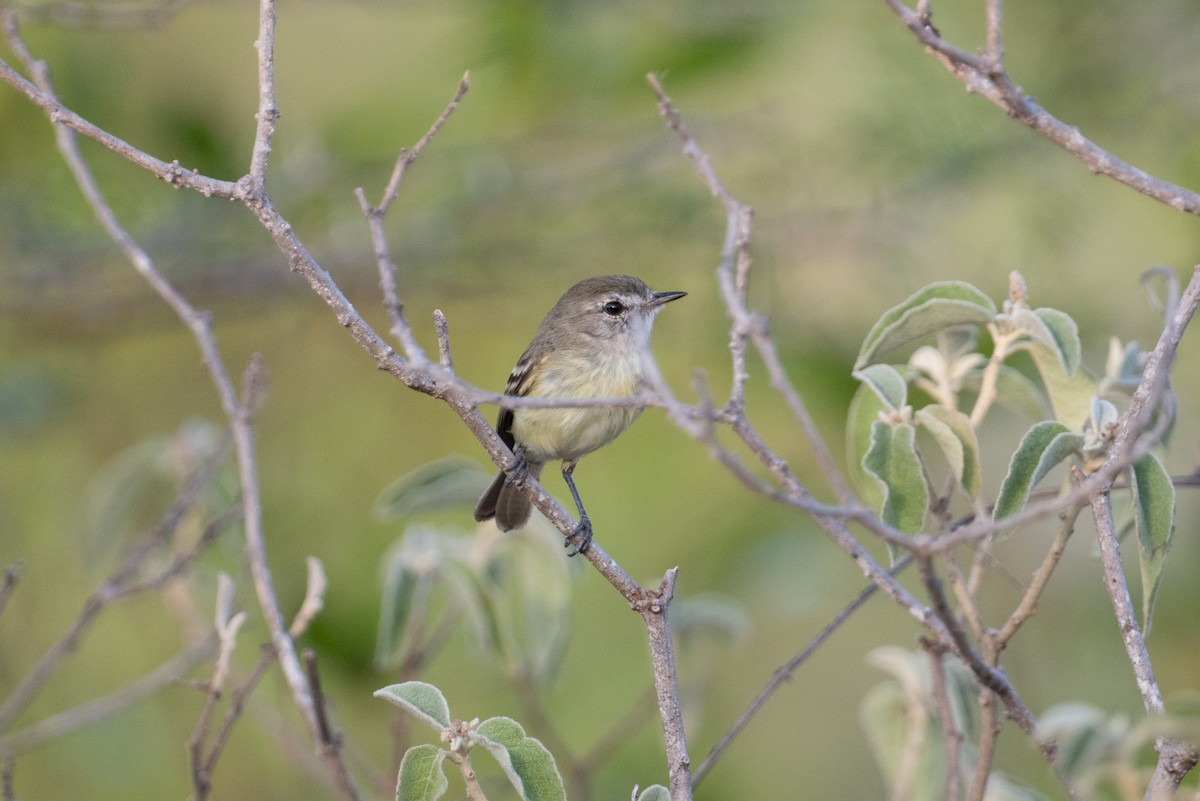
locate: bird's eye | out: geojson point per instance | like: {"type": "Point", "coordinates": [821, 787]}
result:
{"type": "Point", "coordinates": [614, 307]}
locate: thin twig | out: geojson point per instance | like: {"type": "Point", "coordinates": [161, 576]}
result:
{"type": "Point", "coordinates": [1123, 609]}
{"type": "Point", "coordinates": [331, 741]}
{"type": "Point", "coordinates": [1041, 577]}
{"type": "Point", "coordinates": [785, 671]}
{"type": "Point", "coordinates": [122, 583]}
{"type": "Point", "coordinates": [989, 734]}
{"type": "Point", "coordinates": [1175, 757]}
{"type": "Point", "coordinates": [988, 676]}
{"type": "Point", "coordinates": [951, 736]}
{"type": "Point", "coordinates": [105, 707]}
{"type": "Point", "coordinates": [375, 216]}
{"type": "Point", "coordinates": [203, 766]}
{"type": "Point", "coordinates": [652, 605]}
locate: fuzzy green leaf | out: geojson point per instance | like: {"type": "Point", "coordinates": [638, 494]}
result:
{"type": "Point", "coordinates": [1043, 446]}
{"type": "Point", "coordinates": [954, 434]}
{"type": "Point", "coordinates": [655, 792]}
{"type": "Point", "coordinates": [409, 569]}
{"type": "Point", "coordinates": [1070, 394]}
{"type": "Point", "coordinates": [1017, 393]}
{"type": "Point", "coordinates": [423, 701]}
{"type": "Point", "coordinates": [529, 766]}
{"type": "Point", "coordinates": [477, 598]}
{"type": "Point", "coordinates": [1066, 337]}
{"type": "Point", "coordinates": [421, 777]}
{"type": "Point", "coordinates": [1154, 515]}
{"type": "Point", "coordinates": [893, 462]}
{"type": "Point", "coordinates": [443, 484]}
{"type": "Point", "coordinates": [864, 411]}
{"type": "Point", "coordinates": [933, 308]}
{"type": "Point", "coordinates": [886, 382]}
{"type": "Point", "coordinates": [1053, 331]}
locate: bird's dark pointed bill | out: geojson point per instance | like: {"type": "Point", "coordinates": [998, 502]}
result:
{"type": "Point", "coordinates": [659, 298]}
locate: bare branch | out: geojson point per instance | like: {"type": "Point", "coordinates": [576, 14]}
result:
{"type": "Point", "coordinates": [1041, 577]}
{"type": "Point", "coordinates": [1175, 757]}
{"type": "Point", "coordinates": [331, 741]}
{"type": "Point", "coordinates": [989, 677]}
{"type": "Point", "coordinates": [952, 738]}
{"type": "Point", "coordinates": [267, 113]}
{"type": "Point", "coordinates": [99, 709]}
{"type": "Point", "coordinates": [652, 606]}
{"type": "Point", "coordinates": [202, 766]}
{"type": "Point", "coordinates": [1118, 592]}
{"type": "Point", "coordinates": [61, 116]}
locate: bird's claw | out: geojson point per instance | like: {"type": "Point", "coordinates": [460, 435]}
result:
{"type": "Point", "coordinates": [518, 474]}
{"type": "Point", "coordinates": [583, 531]}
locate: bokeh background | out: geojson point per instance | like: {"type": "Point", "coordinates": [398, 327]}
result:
{"type": "Point", "coordinates": [871, 172]}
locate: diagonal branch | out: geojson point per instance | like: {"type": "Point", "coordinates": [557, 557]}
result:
{"type": "Point", "coordinates": [985, 75]}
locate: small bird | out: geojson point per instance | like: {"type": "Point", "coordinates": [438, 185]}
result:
{"type": "Point", "coordinates": [589, 345]}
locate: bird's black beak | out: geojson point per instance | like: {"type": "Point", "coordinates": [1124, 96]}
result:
{"type": "Point", "coordinates": [659, 298]}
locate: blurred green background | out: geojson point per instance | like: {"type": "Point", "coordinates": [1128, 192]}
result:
{"type": "Point", "coordinates": [871, 172]}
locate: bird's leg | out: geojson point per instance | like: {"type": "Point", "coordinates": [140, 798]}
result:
{"type": "Point", "coordinates": [583, 529]}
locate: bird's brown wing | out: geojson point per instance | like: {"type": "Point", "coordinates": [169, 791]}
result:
{"type": "Point", "coordinates": [519, 382]}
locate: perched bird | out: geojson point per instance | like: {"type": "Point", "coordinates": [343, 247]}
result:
{"type": "Point", "coordinates": [589, 345]}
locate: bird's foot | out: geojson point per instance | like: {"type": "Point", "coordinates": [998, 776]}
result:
{"type": "Point", "coordinates": [581, 537]}
{"type": "Point", "coordinates": [518, 474]}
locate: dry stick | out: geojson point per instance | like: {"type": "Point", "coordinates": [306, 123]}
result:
{"type": "Point", "coordinates": [989, 734]}
{"type": "Point", "coordinates": [986, 675]}
{"type": "Point", "coordinates": [203, 766]}
{"type": "Point", "coordinates": [1175, 757]}
{"type": "Point", "coordinates": [993, 642]}
{"type": "Point", "coordinates": [951, 737]}
{"type": "Point", "coordinates": [652, 606]}
{"type": "Point", "coordinates": [330, 740]}
{"type": "Point", "coordinates": [1027, 606]}
{"type": "Point", "coordinates": [784, 672]}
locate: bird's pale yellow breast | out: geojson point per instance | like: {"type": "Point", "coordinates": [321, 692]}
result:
{"type": "Point", "coordinates": [570, 433]}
